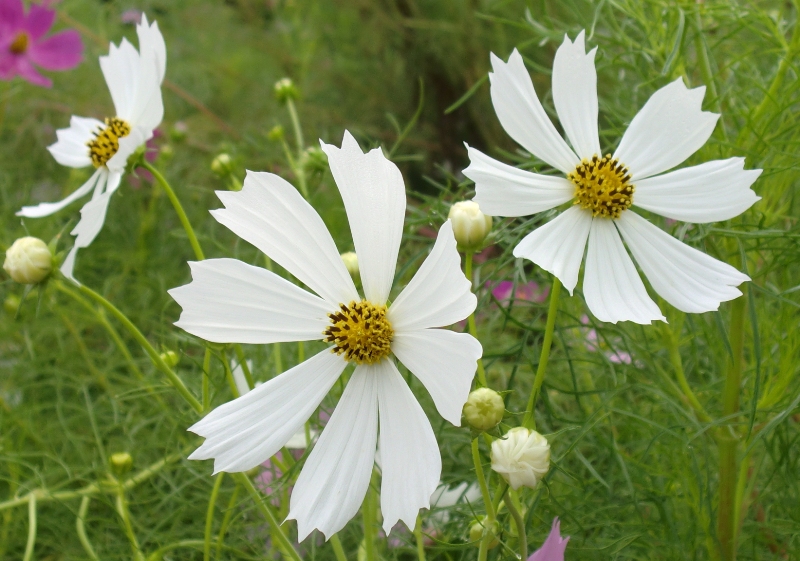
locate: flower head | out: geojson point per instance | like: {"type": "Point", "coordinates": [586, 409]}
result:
{"type": "Point", "coordinates": [604, 189]}
{"type": "Point", "coordinates": [231, 301]}
{"type": "Point", "coordinates": [28, 260]}
{"type": "Point", "coordinates": [134, 80]}
{"type": "Point", "coordinates": [553, 547]}
{"type": "Point", "coordinates": [522, 457]}
{"type": "Point", "coordinates": [23, 44]}
{"type": "Point", "coordinates": [470, 225]}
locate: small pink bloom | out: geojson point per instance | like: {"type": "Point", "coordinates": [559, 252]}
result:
{"type": "Point", "coordinates": [530, 292]}
{"type": "Point", "coordinates": [23, 44]}
{"type": "Point", "coordinates": [553, 547]}
{"type": "Point", "coordinates": [132, 17]}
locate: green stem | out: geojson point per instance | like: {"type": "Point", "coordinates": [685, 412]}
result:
{"type": "Point", "coordinates": [671, 341]}
{"type": "Point", "coordinates": [81, 530]}
{"type": "Point", "coordinates": [476, 460]}
{"type": "Point", "coordinates": [338, 550]}
{"type": "Point", "coordinates": [728, 438]}
{"type": "Point", "coordinates": [176, 203]}
{"type": "Point", "coordinates": [473, 328]}
{"type": "Point", "coordinates": [520, 524]}
{"type": "Point", "coordinates": [419, 539]}
{"type": "Point", "coordinates": [243, 363]}
{"type": "Point", "coordinates": [223, 528]}
{"type": "Point", "coordinates": [529, 420]}
{"type": "Point", "coordinates": [155, 357]}
{"type": "Point", "coordinates": [212, 502]}
{"type": "Point", "coordinates": [266, 510]}
{"type": "Point", "coordinates": [206, 389]}
{"type": "Point", "coordinates": [298, 136]}
{"type": "Point", "coordinates": [124, 514]}
{"type": "Point", "coordinates": [368, 516]}
{"type": "Point", "coordinates": [31, 530]}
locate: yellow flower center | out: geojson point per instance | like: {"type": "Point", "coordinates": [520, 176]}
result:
{"type": "Point", "coordinates": [106, 141]}
{"type": "Point", "coordinates": [360, 332]}
{"type": "Point", "coordinates": [603, 186]}
{"type": "Point", "coordinates": [20, 43]}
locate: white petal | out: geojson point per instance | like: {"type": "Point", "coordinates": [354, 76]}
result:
{"type": "Point", "coordinates": [270, 214]}
{"type": "Point", "coordinates": [503, 190]}
{"type": "Point", "coordinates": [93, 217]}
{"type": "Point", "coordinates": [668, 129]}
{"type": "Point", "coordinates": [612, 287]}
{"type": "Point", "coordinates": [575, 95]}
{"type": "Point", "coordinates": [439, 293]}
{"type": "Point", "coordinates": [411, 463]}
{"type": "Point", "coordinates": [71, 147]}
{"type": "Point", "coordinates": [445, 363]}
{"type": "Point", "coordinates": [232, 302]}
{"type": "Point", "coordinates": [151, 45]}
{"type": "Point", "coordinates": [336, 475]}
{"type": "Point", "coordinates": [250, 429]}
{"type": "Point", "coordinates": [716, 190]}
{"type": "Point", "coordinates": [148, 107]}
{"type": "Point", "coordinates": [522, 115]}
{"type": "Point", "coordinates": [687, 278]}
{"type": "Point", "coordinates": [127, 146]}
{"type": "Point", "coordinates": [46, 209]}
{"type": "Point", "coordinates": [375, 200]}
{"type": "Point", "coordinates": [557, 247]}
{"type": "Point", "coordinates": [121, 71]}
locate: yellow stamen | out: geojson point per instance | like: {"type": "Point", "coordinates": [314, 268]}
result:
{"type": "Point", "coordinates": [603, 186]}
{"type": "Point", "coordinates": [20, 43]}
{"type": "Point", "coordinates": [106, 141]}
{"type": "Point", "coordinates": [361, 332]}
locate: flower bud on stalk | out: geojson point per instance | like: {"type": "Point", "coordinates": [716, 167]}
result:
{"type": "Point", "coordinates": [121, 463]}
{"type": "Point", "coordinates": [351, 264]}
{"type": "Point", "coordinates": [477, 529]}
{"type": "Point", "coordinates": [170, 358]}
{"type": "Point", "coordinates": [484, 409]}
{"type": "Point", "coordinates": [28, 261]}
{"type": "Point", "coordinates": [470, 225]}
{"type": "Point", "coordinates": [286, 90]}
{"type": "Point", "coordinates": [522, 457]}
{"type": "Point", "coordinates": [222, 165]}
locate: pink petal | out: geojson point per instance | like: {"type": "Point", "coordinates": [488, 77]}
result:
{"type": "Point", "coordinates": [61, 51]}
{"type": "Point", "coordinates": [502, 291]}
{"type": "Point", "coordinates": [27, 72]}
{"type": "Point", "coordinates": [38, 21]}
{"type": "Point", "coordinates": [553, 547]}
{"type": "Point", "coordinates": [12, 15]}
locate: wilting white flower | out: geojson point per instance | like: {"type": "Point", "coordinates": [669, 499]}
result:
{"type": "Point", "coordinates": [522, 457]}
{"type": "Point", "coordinates": [28, 260]}
{"type": "Point", "coordinates": [231, 301]}
{"type": "Point", "coordinates": [134, 80]}
{"type": "Point", "coordinates": [470, 225]}
{"type": "Point", "coordinates": [667, 130]}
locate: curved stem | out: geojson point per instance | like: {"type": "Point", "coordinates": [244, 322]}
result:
{"type": "Point", "coordinates": [520, 524]}
{"type": "Point", "coordinates": [223, 528]}
{"type": "Point", "coordinates": [529, 420]}
{"type": "Point", "coordinates": [212, 502]}
{"type": "Point", "coordinates": [31, 529]}
{"type": "Point", "coordinates": [266, 510]}
{"type": "Point", "coordinates": [155, 357]}
{"type": "Point", "coordinates": [124, 514]}
{"type": "Point", "coordinates": [81, 530]}
{"type": "Point", "coordinates": [473, 328]}
{"type": "Point", "coordinates": [298, 136]}
{"type": "Point", "coordinates": [176, 203]}
{"type": "Point", "coordinates": [677, 365]}
{"type": "Point", "coordinates": [419, 539]}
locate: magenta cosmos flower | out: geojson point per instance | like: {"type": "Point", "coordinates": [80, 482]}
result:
{"type": "Point", "coordinates": [23, 44]}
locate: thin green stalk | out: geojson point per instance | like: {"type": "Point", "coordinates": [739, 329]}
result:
{"type": "Point", "coordinates": [728, 438]}
{"type": "Point", "coordinates": [226, 519]}
{"type": "Point", "coordinates": [476, 460]}
{"type": "Point", "coordinates": [266, 510]}
{"type": "Point", "coordinates": [176, 203]}
{"type": "Point", "coordinates": [31, 530]}
{"type": "Point", "coordinates": [419, 539]}
{"type": "Point", "coordinates": [81, 530]}
{"type": "Point", "coordinates": [155, 357]}
{"type": "Point", "coordinates": [520, 525]}
{"type": "Point", "coordinates": [125, 517]}
{"type": "Point", "coordinates": [298, 136]}
{"type": "Point", "coordinates": [212, 503]}
{"type": "Point", "coordinates": [206, 389]}
{"type": "Point", "coordinates": [237, 348]}
{"type": "Point", "coordinates": [368, 513]}
{"type": "Point", "coordinates": [338, 550]}
{"type": "Point", "coordinates": [473, 328]}
{"type": "Point", "coordinates": [529, 420]}
{"type": "Point", "coordinates": [677, 364]}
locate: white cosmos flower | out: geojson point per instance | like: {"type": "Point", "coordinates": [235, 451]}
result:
{"type": "Point", "coordinates": [230, 301]}
{"type": "Point", "coordinates": [667, 130]}
{"type": "Point", "coordinates": [134, 80]}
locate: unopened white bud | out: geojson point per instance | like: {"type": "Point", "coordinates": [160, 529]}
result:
{"type": "Point", "coordinates": [28, 261]}
{"type": "Point", "coordinates": [286, 90]}
{"type": "Point", "coordinates": [351, 263]}
{"type": "Point", "coordinates": [522, 457]}
{"type": "Point", "coordinates": [470, 225]}
{"type": "Point", "coordinates": [222, 164]}
{"type": "Point", "coordinates": [484, 409]}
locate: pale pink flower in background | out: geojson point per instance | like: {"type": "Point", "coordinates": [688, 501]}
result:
{"type": "Point", "coordinates": [668, 129]}
{"type": "Point", "coordinates": [553, 547]}
{"type": "Point", "coordinates": [23, 44]}
{"type": "Point", "coordinates": [528, 292]}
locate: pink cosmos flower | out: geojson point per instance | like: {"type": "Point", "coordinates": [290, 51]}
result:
{"type": "Point", "coordinates": [530, 292]}
{"type": "Point", "coordinates": [553, 547]}
{"type": "Point", "coordinates": [23, 44]}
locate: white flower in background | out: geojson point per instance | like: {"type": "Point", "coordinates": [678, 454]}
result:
{"type": "Point", "coordinates": [28, 260]}
{"type": "Point", "coordinates": [231, 301]}
{"type": "Point", "coordinates": [667, 130]}
{"type": "Point", "coordinates": [522, 457]}
{"type": "Point", "coordinates": [134, 80]}
{"type": "Point", "coordinates": [445, 497]}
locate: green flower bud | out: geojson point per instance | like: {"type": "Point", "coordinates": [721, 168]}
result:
{"type": "Point", "coordinates": [315, 160]}
{"type": "Point", "coordinates": [28, 261]}
{"type": "Point", "coordinates": [276, 133]}
{"type": "Point", "coordinates": [484, 409]}
{"type": "Point", "coordinates": [476, 532]}
{"type": "Point", "coordinates": [121, 463]}
{"type": "Point", "coordinates": [171, 358]}
{"type": "Point", "coordinates": [11, 304]}
{"type": "Point", "coordinates": [179, 131]}
{"type": "Point", "coordinates": [470, 225]}
{"type": "Point", "coordinates": [222, 165]}
{"type": "Point", "coordinates": [351, 264]}
{"type": "Point", "coordinates": [286, 90]}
